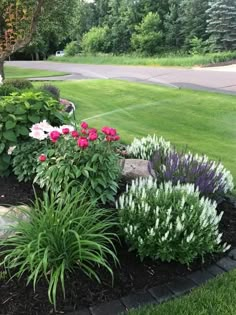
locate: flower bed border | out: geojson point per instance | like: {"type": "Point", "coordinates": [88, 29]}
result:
{"type": "Point", "coordinates": [159, 294]}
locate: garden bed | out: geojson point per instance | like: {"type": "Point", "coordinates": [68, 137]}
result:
{"type": "Point", "coordinates": [132, 275]}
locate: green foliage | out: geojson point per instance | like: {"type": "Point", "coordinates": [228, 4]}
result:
{"type": "Point", "coordinates": [71, 49]}
{"type": "Point", "coordinates": [96, 167]}
{"type": "Point", "coordinates": [24, 160]}
{"type": "Point", "coordinates": [169, 222]}
{"type": "Point", "coordinates": [96, 40]}
{"type": "Point", "coordinates": [20, 84]}
{"type": "Point", "coordinates": [7, 89]}
{"type": "Point", "coordinates": [197, 46]}
{"type": "Point", "coordinates": [148, 36]}
{"type": "Point", "coordinates": [52, 90]}
{"type": "Point", "coordinates": [17, 113]}
{"type": "Point", "coordinates": [58, 236]}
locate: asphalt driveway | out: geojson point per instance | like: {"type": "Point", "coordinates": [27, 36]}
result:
{"type": "Point", "coordinates": [220, 79]}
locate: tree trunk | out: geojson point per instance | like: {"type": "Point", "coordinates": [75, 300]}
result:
{"type": "Point", "coordinates": [37, 56]}
{"type": "Point", "coordinates": [2, 74]}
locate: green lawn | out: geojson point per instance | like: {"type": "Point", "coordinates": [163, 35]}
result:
{"type": "Point", "coordinates": [203, 121]}
{"type": "Point", "coordinates": [20, 73]}
{"type": "Point", "coordinates": [218, 297]}
{"type": "Point", "coordinates": [168, 60]}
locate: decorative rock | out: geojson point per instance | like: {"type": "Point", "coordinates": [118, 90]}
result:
{"type": "Point", "coordinates": [226, 263]}
{"type": "Point", "coordinates": [9, 217]}
{"type": "Point", "coordinates": [232, 254]}
{"type": "Point", "coordinates": [181, 286]}
{"type": "Point", "coordinates": [215, 270]}
{"type": "Point", "coordinates": [134, 168]}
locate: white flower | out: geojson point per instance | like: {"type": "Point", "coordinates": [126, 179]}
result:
{"type": "Point", "coordinates": [11, 149]}
{"type": "Point", "coordinates": [38, 134]}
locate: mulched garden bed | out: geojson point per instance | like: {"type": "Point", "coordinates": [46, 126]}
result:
{"type": "Point", "coordinates": [132, 275]}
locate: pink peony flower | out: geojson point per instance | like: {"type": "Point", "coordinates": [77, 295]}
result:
{"type": "Point", "coordinates": [82, 142]}
{"type": "Point", "coordinates": [84, 125]}
{"type": "Point", "coordinates": [75, 134]}
{"type": "Point", "coordinates": [65, 131]}
{"type": "Point", "coordinates": [84, 131]}
{"type": "Point", "coordinates": [116, 138]}
{"type": "Point", "coordinates": [106, 130]}
{"type": "Point", "coordinates": [93, 136]}
{"type": "Point", "coordinates": [92, 130]}
{"type": "Point", "coordinates": [54, 135]}
{"type": "Point", "coordinates": [71, 128]}
{"type": "Point", "coordinates": [42, 158]}
{"type": "Point", "coordinates": [112, 132]}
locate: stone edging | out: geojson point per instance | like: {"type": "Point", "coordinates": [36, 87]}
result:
{"type": "Point", "coordinates": [165, 292]}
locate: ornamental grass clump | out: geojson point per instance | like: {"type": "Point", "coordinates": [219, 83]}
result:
{"type": "Point", "coordinates": [210, 177]}
{"type": "Point", "coordinates": [145, 147]}
{"type": "Point", "coordinates": [169, 222]}
{"type": "Point", "coordinates": [61, 234]}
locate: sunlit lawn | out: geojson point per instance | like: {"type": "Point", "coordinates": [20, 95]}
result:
{"type": "Point", "coordinates": [20, 73]}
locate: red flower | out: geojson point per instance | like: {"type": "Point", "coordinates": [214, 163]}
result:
{"type": "Point", "coordinates": [106, 130]}
{"type": "Point", "coordinates": [84, 125]}
{"type": "Point", "coordinates": [112, 132]}
{"type": "Point", "coordinates": [75, 134]}
{"type": "Point", "coordinates": [82, 142]}
{"type": "Point", "coordinates": [92, 130]}
{"type": "Point", "coordinates": [93, 136]}
{"type": "Point", "coordinates": [84, 131]}
{"type": "Point", "coordinates": [109, 138]}
{"type": "Point", "coordinates": [54, 135]}
{"type": "Point", "coordinates": [65, 131]}
{"type": "Point", "coordinates": [116, 138]}
{"type": "Point", "coordinates": [42, 158]}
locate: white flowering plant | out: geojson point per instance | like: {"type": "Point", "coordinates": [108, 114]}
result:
{"type": "Point", "coordinates": [145, 147]}
{"type": "Point", "coordinates": [169, 222]}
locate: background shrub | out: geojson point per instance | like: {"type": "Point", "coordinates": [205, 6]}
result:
{"type": "Point", "coordinates": [210, 177]}
{"type": "Point", "coordinates": [20, 84]}
{"type": "Point", "coordinates": [17, 113]}
{"type": "Point", "coordinates": [60, 235]}
{"type": "Point", "coordinates": [52, 90]}
{"type": "Point", "coordinates": [7, 89]}
{"type": "Point", "coordinates": [169, 222]}
{"type": "Point", "coordinates": [96, 40]}
{"type": "Point", "coordinates": [72, 49]}
{"type": "Point", "coordinates": [145, 147]}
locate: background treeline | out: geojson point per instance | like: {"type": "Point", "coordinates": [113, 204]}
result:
{"type": "Point", "coordinates": [145, 27]}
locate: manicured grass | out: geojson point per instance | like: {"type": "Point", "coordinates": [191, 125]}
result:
{"type": "Point", "coordinates": [20, 73]}
{"type": "Point", "coordinates": [216, 298]}
{"type": "Point", "coordinates": [203, 121]}
{"type": "Point", "coordinates": [169, 60]}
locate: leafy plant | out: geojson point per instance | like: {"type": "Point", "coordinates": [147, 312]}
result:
{"type": "Point", "coordinates": [24, 159]}
{"type": "Point", "coordinates": [169, 222]}
{"type": "Point", "coordinates": [210, 177]}
{"type": "Point", "coordinates": [85, 157]}
{"type": "Point", "coordinates": [20, 84]}
{"type": "Point", "coordinates": [71, 49]}
{"type": "Point", "coordinates": [60, 234]}
{"type": "Point", "coordinates": [145, 147]}
{"type": "Point", "coordinates": [7, 89]}
{"type": "Point", "coordinates": [97, 39]}
{"type": "Point", "coordinates": [17, 113]}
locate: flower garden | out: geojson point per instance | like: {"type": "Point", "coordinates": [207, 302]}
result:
{"type": "Point", "coordinates": [88, 233]}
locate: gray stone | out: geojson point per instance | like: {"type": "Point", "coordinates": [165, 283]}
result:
{"type": "Point", "coordinates": [181, 286]}
{"type": "Point", "coordinates": [226, 263]}
{"type": "Point", "coordinates": [161, 293]}
{"type": "Point", "coordinates": [84, 311]}
{"type": "Point", "coordinates": [134, 168]}
{"type": "Point", "coordinates": [9, 217]}
{"type": "Point", "coordinates": [232, 254]}
{"type": "Point", "coordinates": [215, 270]}
{"type": "Point", "coordinates": [111, 308]}
{"type": "Point", "coordinates": [200, 276]}
{"type": "Point", "coordinates": [137, 299]}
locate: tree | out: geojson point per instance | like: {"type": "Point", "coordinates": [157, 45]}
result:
{"type": "Point", "coordinates": [221, 24]}
{"type": "Point", "coordinates": [96, 40]}
{"type": "Point", "coordinates": [18, 20]}
{"type": "Point", "coordinates": [148, 36]}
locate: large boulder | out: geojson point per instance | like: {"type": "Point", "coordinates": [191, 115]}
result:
{"type": "Point", "coordinates": [134, 168]}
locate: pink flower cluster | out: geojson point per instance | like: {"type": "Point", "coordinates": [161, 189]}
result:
{"type": "Point", "coordinates": [43, 130]}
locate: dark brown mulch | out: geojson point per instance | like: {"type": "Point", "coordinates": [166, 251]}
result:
{"type": "Point", "coordinates": [132, 275]}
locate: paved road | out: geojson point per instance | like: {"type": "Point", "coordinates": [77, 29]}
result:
{"type": "Point", "coordinates": [221, 79]}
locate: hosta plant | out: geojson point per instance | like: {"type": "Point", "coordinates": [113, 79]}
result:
{"type": "Point", "coordinates": [145, 147]}
{"type": "Point", "coordinates": [169, 222]}
{"type": "Point", "coordinates": [60, 234]}
{"type": "Point", "coordinates": [210, 177]}
{"type": "Point", "coordinates": [84, 156]}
